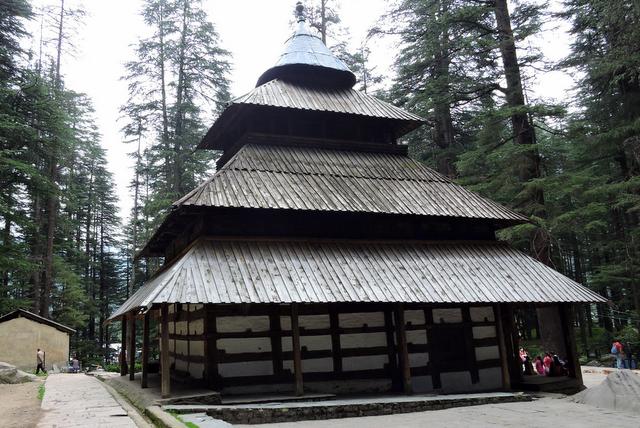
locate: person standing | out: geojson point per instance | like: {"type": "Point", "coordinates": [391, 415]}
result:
{"type": "Point", "coordinates": [616, 350]}
{"type": "Point", "coordinates": [40, 359]}
{"type": "Point", "coordinates": [629, 354]}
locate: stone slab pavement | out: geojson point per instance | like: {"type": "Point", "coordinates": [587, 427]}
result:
{"type": "Point", "coordinates": [77, 400]}
{"type": "Point", "coordinates": [540, 413]}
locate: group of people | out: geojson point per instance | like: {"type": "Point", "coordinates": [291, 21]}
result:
{"type": "Point", "coordinates": [548, 365]}
{"type": "Point", "coordinates": [74, 364]}
{"type": "Point", "coordinates": [623, 355]}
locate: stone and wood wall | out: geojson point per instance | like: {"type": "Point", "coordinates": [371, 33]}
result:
{"type": "Point", "coordinates": [344, 348]}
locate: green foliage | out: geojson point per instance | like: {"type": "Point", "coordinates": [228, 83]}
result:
{"type": "Point", "coordinates": [41, 391]}
{"type": "Point", "coordinates": [58, 210]}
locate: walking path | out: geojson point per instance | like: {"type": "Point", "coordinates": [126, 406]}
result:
{"type": "Point", "coordinates": [77, 400]}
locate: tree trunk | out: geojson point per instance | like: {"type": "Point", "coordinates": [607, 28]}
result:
{"type": "Point", "coordinates": [52, 214]}
{"type": "Point", "coordinates": [180, 92]}
{"type": "Point", "coordinates": [163, 90]}
{"type": "Point", "coordinates": [524, 134]}
{"type": "Point", "coordinates": [443, 131]}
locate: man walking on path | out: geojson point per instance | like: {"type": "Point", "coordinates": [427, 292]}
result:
{"type": "Point", "coordinates": [40, 358]}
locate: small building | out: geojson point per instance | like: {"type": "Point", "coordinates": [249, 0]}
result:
{"type": "Point", "coordinates": [321, 258]}
{"type": "Point", "coordinates": [23, 332]}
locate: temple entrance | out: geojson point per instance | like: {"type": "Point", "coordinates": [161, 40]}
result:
{"type": "Point", "coordinates": [542, 349]}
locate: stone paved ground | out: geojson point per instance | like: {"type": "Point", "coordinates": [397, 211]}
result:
{"type": "Point", "coordinates": [77, 400]}
{"type": "Point", "coordinates": [543, 412]}
{"type": "Point", "coordinates": [550, 412]}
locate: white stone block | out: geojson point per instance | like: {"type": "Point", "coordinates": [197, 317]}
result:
{"type": "Point", "coordinates": [452, 315]}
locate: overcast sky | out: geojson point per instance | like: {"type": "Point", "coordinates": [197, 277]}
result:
{"type": "Point", "coordinates": [253, 30]}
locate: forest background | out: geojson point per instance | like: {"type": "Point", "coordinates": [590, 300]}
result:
{"type": "Point", "coordinates": [468, 67]}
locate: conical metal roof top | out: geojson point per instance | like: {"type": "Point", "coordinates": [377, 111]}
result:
{"type": "Point", "coordinates": [306, 59]}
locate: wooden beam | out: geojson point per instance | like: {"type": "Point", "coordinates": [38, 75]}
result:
{"type": "Point", "coordinates": [210, 347]}
{"type": "Point", "coordinates": [123, 346]}
{"type": "Point", "coordinates": [504, 361]}
{"type": "Point", "coordinates": [336, 350]}
{"type": "Point", "coordinates": [132, 346]}
{"type": "Point", "coordinates": [295, 343]}
{"type": "Point", "coordinates": [145, 350]}
{"type": "Point", "coordinates": [165, 387]}
{"type": "Point", "coordinates": [403, 354]}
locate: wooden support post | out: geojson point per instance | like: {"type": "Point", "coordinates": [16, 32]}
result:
{"type": "Point", "coordinates": [210, 346]}
{"type": "Point", "coordinates": [470, 348]}
{"type": "Point", "coordinates": [391, 349]}
{"type": "Point", "coordinates": [145, 351]}
{"type": "Point", "coordinates": [504, 361]}
{"type": "Point", "coordinates": [434, 368]}
{"type": "Point", "coordinates": [512, 344]}
{"type": "Point", "coordinates": [123, 346]}
{"type": "Point", "coordinates": [403, 353]}
{"type": "Point", "coordinates": [188, 339]}
{"type": "Point", "coordinates": [165, 387]}
{"type": "Point", "coordinates": [276, 339]}
{"type": "Point", "coordinates": [567, 316]}
{"type": "Point", "coordinates": [336, 350]}
{"type": "Point", "coordinates": [295, 343]}
{"type": "Point", "coordinates": [132, 346]}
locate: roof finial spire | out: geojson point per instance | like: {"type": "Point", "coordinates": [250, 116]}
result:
{"type": "Point", "coordinates": [300, 11]}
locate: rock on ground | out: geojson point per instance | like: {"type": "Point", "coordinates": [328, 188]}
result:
{"type": "Point", "coordinates": [10, 374]}
{"type": "Point", "coordinates": [619, 391]}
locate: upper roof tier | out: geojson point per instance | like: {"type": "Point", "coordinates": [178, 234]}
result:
{"type": "Point", "coordinates": [307, 59]}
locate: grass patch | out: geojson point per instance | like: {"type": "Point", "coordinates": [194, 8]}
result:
{"type": "Point", "coordinates": [41, 374]}
{"type": "Point", "coordinates": [188, 424]}
{"type": "Point", "coordinates": [41, 392]}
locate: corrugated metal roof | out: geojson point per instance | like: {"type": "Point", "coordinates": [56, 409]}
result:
{"type": "Point", "coordinates": [282, 177]}
{"type": "Point", "coordinates": [233, 271]}
{"type": "Point", "coordinates": [278, 93]}
{"type": "Point", "coordinates": [305, 49]}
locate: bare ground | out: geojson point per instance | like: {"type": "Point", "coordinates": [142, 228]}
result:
{"type": "Point", "coordinates": [19, 405]}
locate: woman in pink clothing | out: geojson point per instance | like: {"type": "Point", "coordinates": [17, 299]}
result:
{"type": "Point", "coordinates": [539, 365]}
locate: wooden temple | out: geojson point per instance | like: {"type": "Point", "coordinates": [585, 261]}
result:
{"type": "Point", "coordinates": [321, 258]}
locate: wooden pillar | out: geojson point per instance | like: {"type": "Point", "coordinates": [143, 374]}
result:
{"type": "Point", "coordinates": [145, 350]}
{"type": "Point", "coordinates": [469, 346]}
{"type": "Point", "coordinates": [165, 387]}
{"type": "Point", "coordinates": [123, 346]}
{"type": "Point", "coordinates": [336, 349]}
{"type": "Point", "coordinates": [403, 353]}
{"type": "Point", "coordinates": [132, 346]}
{"type": "Point", "coordinates": [434, 367]}
{"type": "Point", "coordinates": [512, 344]}
{"type": "Point", "coordinates": [567, 315]}
{"type": "Point", "coordinates": [297, 357]}
{"type": "Point", "coordinates": [275, 328]}
{"type": "Point", "coordinates": [188, 338]}
{"type": "Point", "coordinates": [504, 362]}
{"type": "Point", "coordinates": [391, 349]}
{"type": "Point", "coordinates": [210, 346]}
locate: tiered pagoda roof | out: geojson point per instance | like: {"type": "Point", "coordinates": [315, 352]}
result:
{"type": "Point", "coordinates": [319, 177]}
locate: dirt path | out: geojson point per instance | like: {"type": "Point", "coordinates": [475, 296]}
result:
{"type": "Point", "coordinates": [19, 405]}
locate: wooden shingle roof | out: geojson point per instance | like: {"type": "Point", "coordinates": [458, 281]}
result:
{"type": "Point", "coordinates": [285, 271]}
{"type": "Point", "coordinates": [289, 95]}
{"type": "Point", "coordinates": [318, 179]}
